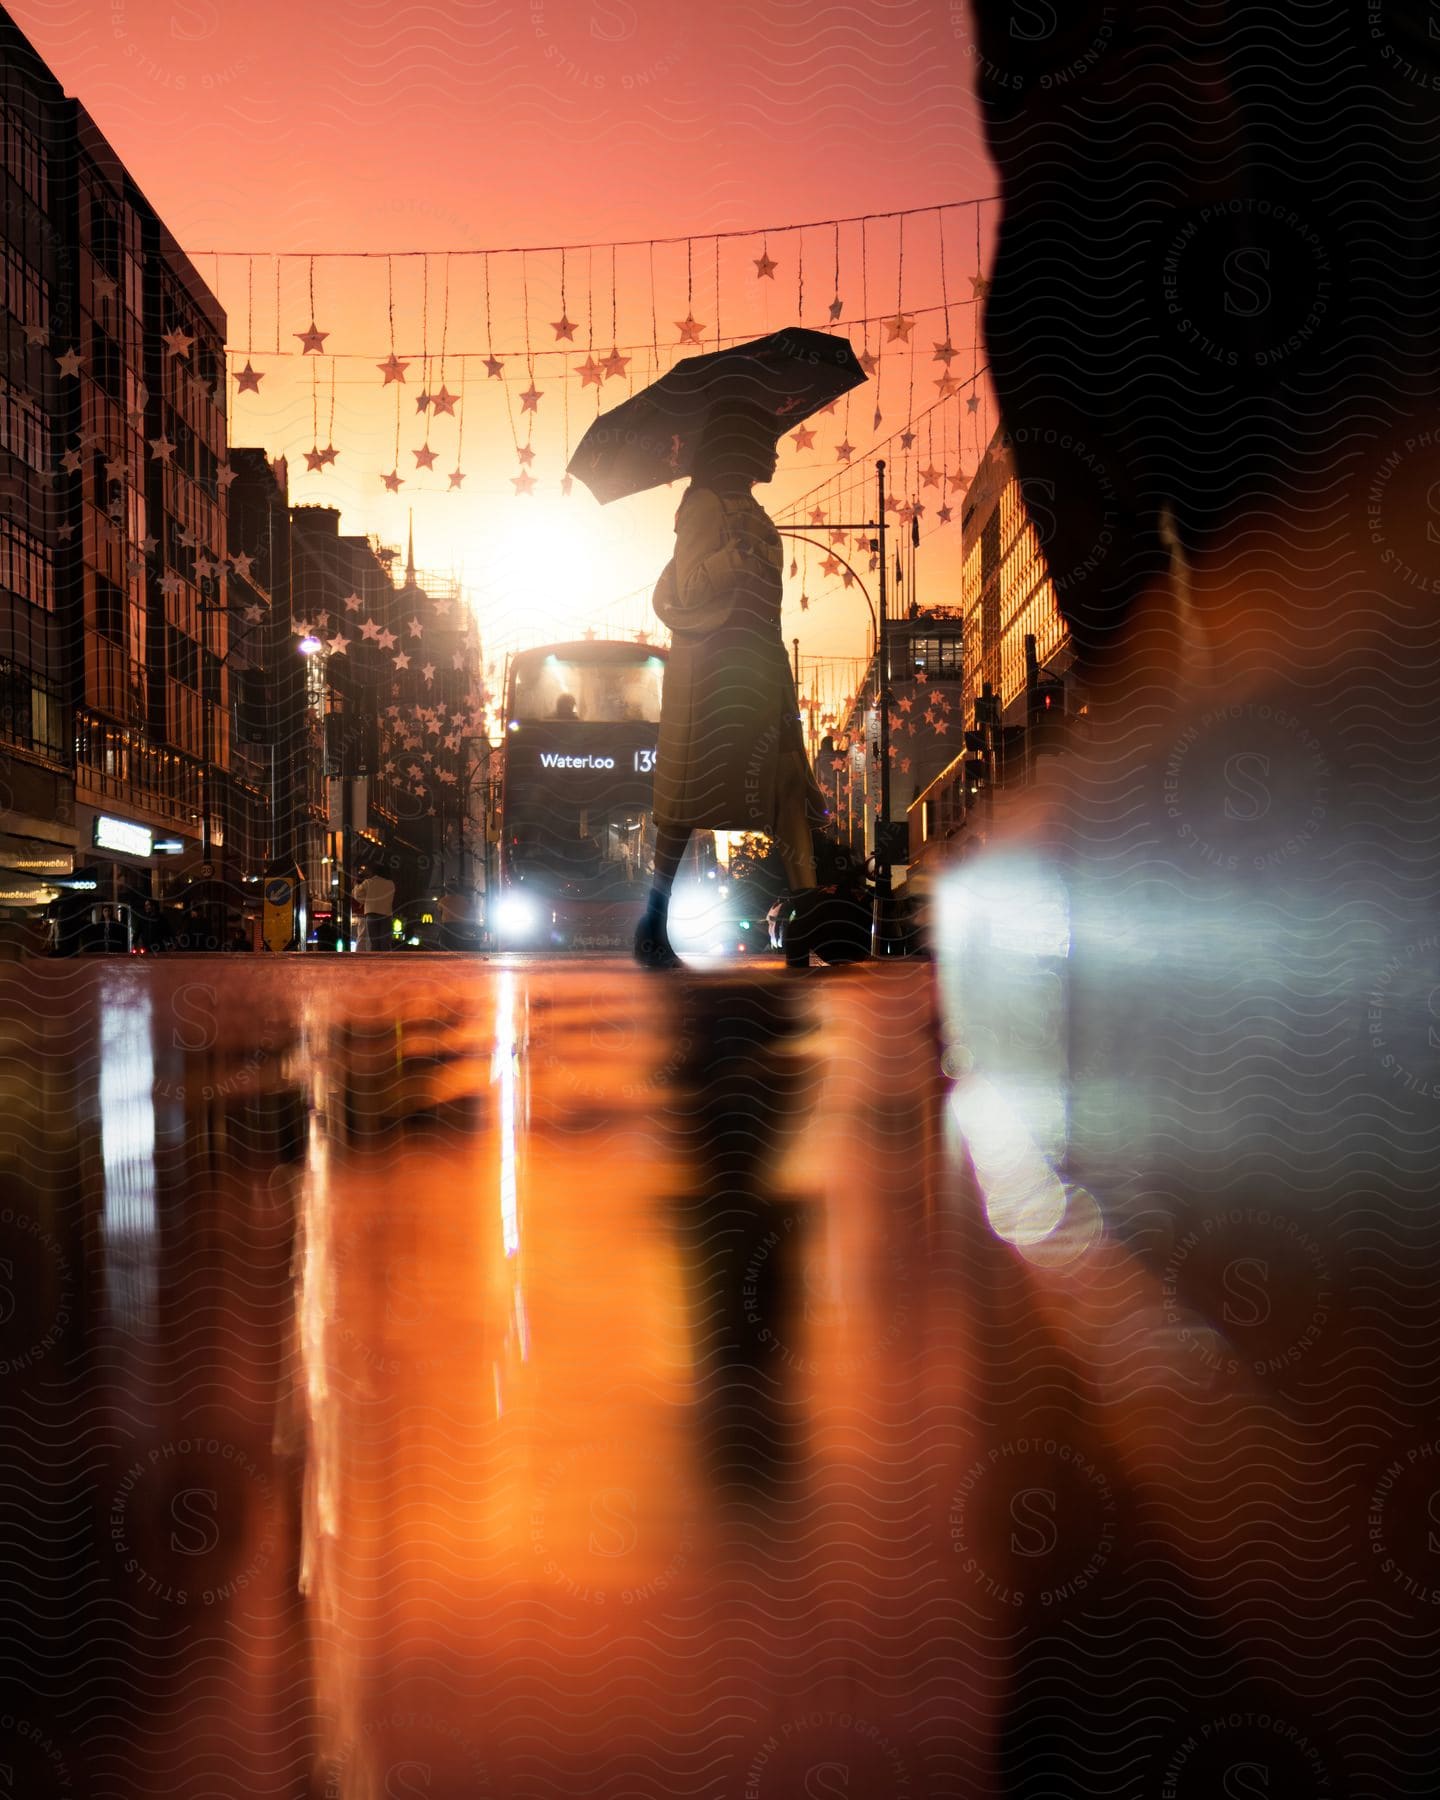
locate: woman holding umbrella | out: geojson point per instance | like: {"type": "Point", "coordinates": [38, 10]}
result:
{"type": "Point", "coordinates": [731, 754]}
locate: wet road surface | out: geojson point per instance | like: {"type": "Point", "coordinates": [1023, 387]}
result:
{"type": "Point", "coordinates": [529, 1378]}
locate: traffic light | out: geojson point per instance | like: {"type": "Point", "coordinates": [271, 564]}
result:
{"type": "Point", "coordinates": [1047, 716]}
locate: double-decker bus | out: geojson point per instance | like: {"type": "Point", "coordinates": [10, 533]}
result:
{"type": "Point", "coordinates": [577, 832]}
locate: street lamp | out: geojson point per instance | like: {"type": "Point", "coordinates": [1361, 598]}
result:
{"type": "Point", "coordinates": [885, 937]}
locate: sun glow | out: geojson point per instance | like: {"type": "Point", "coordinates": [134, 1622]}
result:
{"type": "Point", "coordinates": [543, 569]}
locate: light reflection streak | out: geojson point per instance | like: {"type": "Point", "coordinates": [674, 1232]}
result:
{"type": "Point", "coordinates": [502, 1067]}
{"type": "Point", "coordinates": [1016, 905]}
{"type": "Point", "coordinates": [127, 1147]}
{"type": "Point", "coordinates": [1024, 1197]}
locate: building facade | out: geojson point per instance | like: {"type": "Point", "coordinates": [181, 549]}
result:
{"type": "Point", "coordinates": [1018, 699]}
{"type": "Point", "coordinates": [113, 571]}
{"type": "Point", "coordinates": [925, 685]}
{"type": "Point", "coordinates": [1006, 594]}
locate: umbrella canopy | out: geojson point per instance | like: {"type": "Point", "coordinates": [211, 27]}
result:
{"type": "Point", "coordinates": [651, 438]}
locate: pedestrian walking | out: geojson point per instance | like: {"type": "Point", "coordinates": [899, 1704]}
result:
{"type": "Point", "coordinates": [731, 754]}
{"type": "Point", "coordinates": [375, 896]}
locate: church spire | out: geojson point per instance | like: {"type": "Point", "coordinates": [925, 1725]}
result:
{"type": "Point", "coordinates": [410, 553]}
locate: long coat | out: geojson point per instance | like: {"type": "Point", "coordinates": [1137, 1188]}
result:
{"type": "Point", "coordinates": [729, 716]}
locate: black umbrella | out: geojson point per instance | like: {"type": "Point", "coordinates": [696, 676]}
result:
{"type": "Point", "coordinates": [651, 438]}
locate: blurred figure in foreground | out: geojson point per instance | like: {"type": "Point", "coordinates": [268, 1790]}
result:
{"type": "Point", "coordinates": [1190, 983]}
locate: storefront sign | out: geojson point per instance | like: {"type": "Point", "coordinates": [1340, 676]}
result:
{"type": "Point", "coordinates": [123, 836]}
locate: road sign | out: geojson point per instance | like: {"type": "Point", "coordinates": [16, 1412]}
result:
{"type": "Point", "coordinates": [278, 925]}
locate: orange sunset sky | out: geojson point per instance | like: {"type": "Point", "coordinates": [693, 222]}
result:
{"type": "Point", "coordinates": [269, 132]}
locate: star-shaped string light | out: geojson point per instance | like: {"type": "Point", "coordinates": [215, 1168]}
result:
{"type": "Point", "coordinates": [313, 341]}
{"type": "Point", "coordinates": [980, 287]}
{"type": "Point", "coordinates": [837, 306]}
{"type": "Point", "coordinates": [456, 477]}
{"type": "Point", "coordinates": [615, 364]}
{"type": "Point", "coordinates": [944, 352]}
{"type": "Point", "coordinates": [523, 483]}
{"type": "Point", "coordinates": [900, 328]}
{"type": "Point", "coordinates": [688, 329]}
{"type": "Point", "coordinates": [563, 327]}
{"type": "Point", "coordinates": [69, 363]}
{"type": "Point", "coordinates": [764, 267]}
{"type": "Point", "coordinates": [531, 398]}
{"type": "Point", "coordinates": [314, 458]}
{"type": "Point", "coordinates": [591, 371]}
{"type": "Point", "coordinates": [424, 457]}
{"type": "Point", "coordinates": [177, 342]}
{"type": "Point", "coordinates": [444, 401]}
{"type": "Point", "coordinates": [394, 481]}
{"type": "Point", "coordinates": [248, 379]}
{"type": "Point", "coordinates": [803, 438]}
{"type": "Point", "coordinates": [845, 450]}
{"type": "Point", "coordinates": [393, 369]}
{"type": "Point", "coordinates": [494, 366]}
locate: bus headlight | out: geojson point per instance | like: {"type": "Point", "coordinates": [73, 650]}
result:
{"type": "Point", "coordinates": [698, 923]}
{"type": "Point", "coordinates": [517, 916]}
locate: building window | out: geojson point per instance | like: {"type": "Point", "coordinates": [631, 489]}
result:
{"type": "Point", "coordinates": [31, 714]}
{"type": "Point", "coordinates": [24, 292]}
{"type": "Point", "coordinates": [25, 566]}
{"type": "Point", "coordinates": [106, 237]}
{"type": "Point", "coordinates": [106, 363]}
{"type": "Point", "coordinates": [938, 658]}
{"type": "Point", "coordinates": [183, 659]}
{"type": "Point", "coordinates": [22, 426]}
{"type": "Point", "coordinates": [109, 610]}
{"type": "Point", "coordinates": [25, 158]}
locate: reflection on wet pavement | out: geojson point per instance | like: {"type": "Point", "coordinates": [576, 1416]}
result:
{"type": "Point", "coordinates": [529, 1379]}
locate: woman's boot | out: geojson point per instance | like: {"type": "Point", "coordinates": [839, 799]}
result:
{"type": "Point", "coordinates": [652, 945]}
{"type": "Point", "coordinates": [797, 926]}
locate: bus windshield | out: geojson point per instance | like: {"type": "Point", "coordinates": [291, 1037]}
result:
{"type": "Point", "coordinates": [597, 691]}
{"type": "Point", "coordinates": [598, 852]}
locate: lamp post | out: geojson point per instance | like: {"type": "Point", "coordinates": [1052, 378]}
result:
{"type": "Point", "coordinates": [885, 938]}
{"type": "Point", "coordinates": [310, 646]}
{"type": "Point", "coordinates": [206, 609]}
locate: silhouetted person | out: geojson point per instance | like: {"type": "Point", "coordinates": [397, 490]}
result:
{"type": "Point", "coordinates": [731, 755]}
{"type": "Point", "coordinates": [565, 707]}
{"type": "Point", "coordinates": [1216, 282]}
